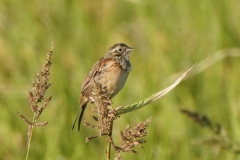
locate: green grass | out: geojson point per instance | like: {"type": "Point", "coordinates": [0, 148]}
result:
{"type": "Point", "coordinates": [168, 37]}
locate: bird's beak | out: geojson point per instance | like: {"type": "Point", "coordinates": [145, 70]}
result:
{"type": "Point", "coordinates": [129, 49]}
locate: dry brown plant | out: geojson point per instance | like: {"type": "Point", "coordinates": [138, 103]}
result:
{"type": "Point", "coordinates": [37, 99]}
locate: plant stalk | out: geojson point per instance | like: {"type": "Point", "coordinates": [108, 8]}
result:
{"type": "Point", "coordinates": [30, 131]}
{"type": "Point", "coordinates": [108, 152]}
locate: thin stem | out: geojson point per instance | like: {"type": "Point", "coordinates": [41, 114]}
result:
{"type": "Point", "coordinates": [129, 108]}
{"type": "Point", "coordinates": [108, 153]}
{"type": "Point", "coordinates": [30, 131]}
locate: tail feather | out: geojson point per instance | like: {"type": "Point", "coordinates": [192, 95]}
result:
{"type": "Point", "coordinates": [75, 120]}
{"type": "Point", "coordinates": [79, 116]}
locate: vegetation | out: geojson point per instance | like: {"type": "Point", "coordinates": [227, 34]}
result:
{"type": "Point", "coordinates": [168, 38]}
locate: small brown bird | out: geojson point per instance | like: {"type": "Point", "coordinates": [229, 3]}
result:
{"type": "Point", "coordinates": [110, 72]}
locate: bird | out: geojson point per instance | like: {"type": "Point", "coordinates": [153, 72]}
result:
{"type": "Point", "coordinates": [110, 72]}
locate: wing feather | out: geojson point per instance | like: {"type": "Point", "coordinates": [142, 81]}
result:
{"type": "Point", "coordinates": [97, 68]}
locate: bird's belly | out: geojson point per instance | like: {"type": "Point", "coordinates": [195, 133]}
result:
{"type": "Point", "coordinates": [113, 79]}
{"type": "Point", "coordinates": [116, 83]}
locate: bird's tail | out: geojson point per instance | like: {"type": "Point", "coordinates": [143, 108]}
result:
{"type": "Point", "coordinates": [79, 116]}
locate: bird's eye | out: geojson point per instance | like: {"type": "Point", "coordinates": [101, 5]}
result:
{"type": "Point", "coordinates": [119, 50]}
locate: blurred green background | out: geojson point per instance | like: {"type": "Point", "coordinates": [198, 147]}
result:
{"type": "Point", "coordinates": [168, 37]}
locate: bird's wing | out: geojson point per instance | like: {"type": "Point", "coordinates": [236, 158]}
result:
{"type": "Point", "coordinates": [98, 67]}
